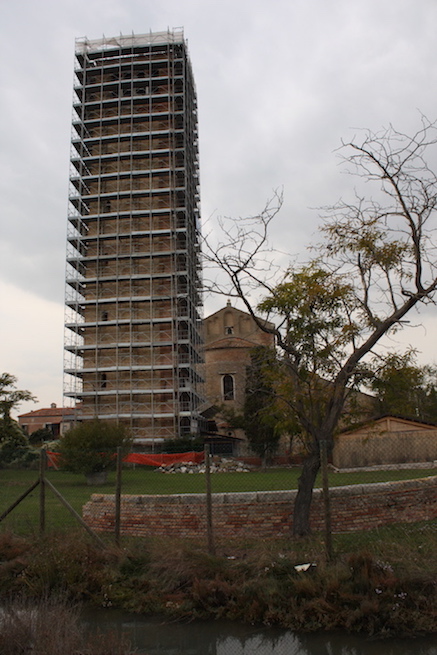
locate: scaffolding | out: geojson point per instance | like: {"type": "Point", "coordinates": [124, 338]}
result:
{"type": "Point", "coordinates": [133, 282]}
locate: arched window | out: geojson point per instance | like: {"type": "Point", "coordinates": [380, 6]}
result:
{"type": "Point", "coordinates": [228, 387]}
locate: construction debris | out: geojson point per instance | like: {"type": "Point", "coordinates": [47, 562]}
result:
{"type": "Point", "coordinates": [218, 465]}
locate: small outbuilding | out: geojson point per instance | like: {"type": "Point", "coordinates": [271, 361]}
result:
{"type": "Point", "coordinates": [385, 440]}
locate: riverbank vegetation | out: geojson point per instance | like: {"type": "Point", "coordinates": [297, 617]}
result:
{"type": "Point", "coordinates": [381, 582]}
{"type": "Point", "coordinates": [53, 626]}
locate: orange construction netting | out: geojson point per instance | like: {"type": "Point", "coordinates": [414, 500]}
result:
{"type": "Point", "coordinates": [144, 459]}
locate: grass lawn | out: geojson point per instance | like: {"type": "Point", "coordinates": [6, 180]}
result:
{"type": "Point", "coordinates": [142, 480]}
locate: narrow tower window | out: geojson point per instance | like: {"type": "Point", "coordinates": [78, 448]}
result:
{"type": "Point", "coordinates": [228, 387]}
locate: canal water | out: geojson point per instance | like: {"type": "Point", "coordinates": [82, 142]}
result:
{"type": "Point", "coordinates": [152, 636]}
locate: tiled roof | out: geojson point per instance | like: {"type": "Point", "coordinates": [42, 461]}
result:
{"type": "Point", "coordinates": [380, 419]}
{"type": "Point", "coordinates": [49, 411]}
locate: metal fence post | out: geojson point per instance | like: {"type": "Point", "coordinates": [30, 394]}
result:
{"type": "Point", "coordinates": [42, 490]}
{"type": "Point", "coordinates": [209, 530]}
{"type": "Point", "coordinates": [326, 497]}
{"type": "Point", "coordinates": [118, 497]}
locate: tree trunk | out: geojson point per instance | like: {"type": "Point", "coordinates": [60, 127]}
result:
{"type": "Point", "coordinates": [302, 505]}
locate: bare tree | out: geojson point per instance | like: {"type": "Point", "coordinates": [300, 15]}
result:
{"type": "Point", "coordinates": [375, 263]}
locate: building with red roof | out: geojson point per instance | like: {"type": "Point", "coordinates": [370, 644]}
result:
{"type": "Point", "coordinates": [56, 419]}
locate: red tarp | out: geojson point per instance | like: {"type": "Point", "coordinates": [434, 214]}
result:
{"type": "Point", "coordinates": [145, 459]}
{"type": "Point", "coordinates": [52, 459]}
{"type": "Point", "coordinates": [158, 460]}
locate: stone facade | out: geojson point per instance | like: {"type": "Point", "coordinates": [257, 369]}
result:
{"type": "Point", "coordinates": [265, 514]}
{"type": "Point", "coordinates": [230, 334]}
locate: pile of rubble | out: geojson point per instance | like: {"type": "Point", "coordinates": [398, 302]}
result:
{"type": "Point", "coordinates": [218, 465]}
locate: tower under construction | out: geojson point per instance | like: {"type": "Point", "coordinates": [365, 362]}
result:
{"type": "Point", "coordinates": [133, 299]}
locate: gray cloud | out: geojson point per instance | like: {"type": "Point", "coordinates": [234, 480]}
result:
{"type": "Point", "coordinates": [278, 84]}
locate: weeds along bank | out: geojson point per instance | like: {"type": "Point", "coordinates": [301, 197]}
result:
{"type": "Point", "coordinates": [380, 583]}
{"type": "Point", "coordinates": [25, 622]}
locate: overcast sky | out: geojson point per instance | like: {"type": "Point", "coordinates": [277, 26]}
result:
{"type": "Point", "coordinates": [279, 84]}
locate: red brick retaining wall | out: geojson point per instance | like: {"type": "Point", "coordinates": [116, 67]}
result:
{"type": "Point", "coordinates": [265, 514]}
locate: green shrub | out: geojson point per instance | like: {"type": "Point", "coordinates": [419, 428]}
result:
{"type": "Point", "coordinates": [91, 446]}
{"type": "Point", "coordinates": [41, 435]}
{"type": "Point", "coordinates": [15, 451]}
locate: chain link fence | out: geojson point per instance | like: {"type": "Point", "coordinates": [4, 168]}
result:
{"type": "Point", "coordinates": [214, 534]}
{"type": "Point", "coordinates": [364, 483]}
